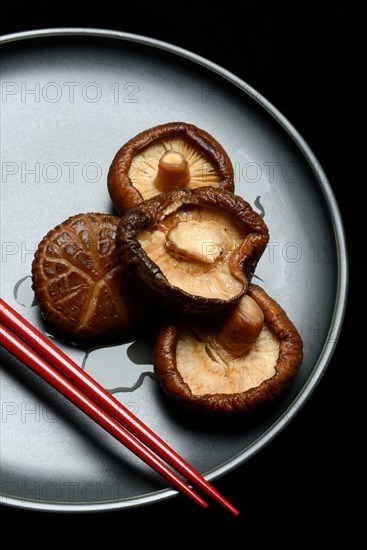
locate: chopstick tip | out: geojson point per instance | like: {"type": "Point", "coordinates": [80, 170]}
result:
{"type": "Point", "coordinates": [231, 508]}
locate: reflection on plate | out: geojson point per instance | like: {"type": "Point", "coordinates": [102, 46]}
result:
{"type": "Point", "coordinates": [69, 100]}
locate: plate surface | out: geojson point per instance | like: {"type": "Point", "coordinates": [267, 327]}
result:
{"type": "Point", "coordinates": [69, 99]}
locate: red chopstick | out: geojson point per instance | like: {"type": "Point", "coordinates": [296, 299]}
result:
{"type": "Point", "coordinates": [96, 396]}
{"type": "Point", "coordinates": [28, 356]}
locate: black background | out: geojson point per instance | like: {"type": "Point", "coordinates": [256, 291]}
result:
{"type": "Point", "coordinates": [307, 60]}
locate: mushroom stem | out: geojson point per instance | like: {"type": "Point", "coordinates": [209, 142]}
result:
{"type": "Point", "coordinates": [200, 241]}
{"type": "Point", "coordinates": [241, 327]}
{"type": "Point", "coordinates": [173, 171]}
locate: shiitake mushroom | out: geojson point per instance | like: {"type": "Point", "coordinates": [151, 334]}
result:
{"type": "Point", "coordinates": [166, 157]}
{"type": "Point", "coordinates": [79, 283]}
{"type": "Point", "coordinates": [192, 250]}
{"type": "Point", "coordinates": [233, 363]}
{"type": "Point", "coordinates": [193, 246]}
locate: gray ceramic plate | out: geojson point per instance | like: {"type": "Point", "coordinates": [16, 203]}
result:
{"type": "Point", "coordinates": [70, 99]}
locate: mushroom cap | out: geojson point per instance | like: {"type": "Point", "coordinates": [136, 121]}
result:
{"type": "Point", "coordinates": [193, 250]}
{"type": "Point", "coordinates": [79, 285]}
{"type": "Point", "coordinates": [202, 377]}
{"type": "Point", "coordinates": [131, 177]}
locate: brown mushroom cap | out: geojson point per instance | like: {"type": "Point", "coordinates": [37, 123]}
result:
{"type": "Point", "coordinates": [194, 250]}
{"type": "Point", "coordinates": [78, 282]}
{"type": "Point", "coordinates": [197, 372]}
{"type": "Point", "coordinates": [166, 157]}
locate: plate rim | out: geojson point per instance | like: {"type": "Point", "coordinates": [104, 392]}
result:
{"type": "Point", "coordinates": [339, 239]}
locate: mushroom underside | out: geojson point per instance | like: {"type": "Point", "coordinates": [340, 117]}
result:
{"type": "Point", "coordinates": [201, 374]}
{"type": "Point", "coordinates": [192, 247]}
{"type": "Point", "coordinates": [193, 250]}
{"type": "Point", "coordinates": [164, 158]}
{"type": "Point", "coordinates": [145, 168]}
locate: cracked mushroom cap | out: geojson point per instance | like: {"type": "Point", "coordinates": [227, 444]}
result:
{"type": "Point", "coordinates": [193, 250]}
{"type": "Point", "coordinates": [164, 158]}
{"type": "Point", "coordinates": [233, 364]}
{"type": "Point", "coordinates": [79, 285]}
